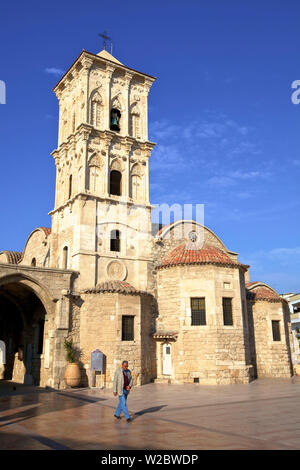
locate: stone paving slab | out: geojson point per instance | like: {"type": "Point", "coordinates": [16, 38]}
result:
{"type": "Point", "coordinates": [261, 415]}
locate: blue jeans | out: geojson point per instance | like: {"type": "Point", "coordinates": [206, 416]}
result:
{"type": "Point", "coordinates": [123, 405]}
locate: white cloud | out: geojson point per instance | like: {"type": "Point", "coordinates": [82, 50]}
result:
{"type": "Point", "coordinates": [295, 251]}
{"type": "Point", "coordinates": [54, 71]}
{"type": "Point", "coordinates": [223, 181]}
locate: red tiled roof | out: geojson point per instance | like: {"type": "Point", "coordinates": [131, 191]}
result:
{"type": "Point", "coordinates": [186, 254]}
{"type": "Point", "coordinates": [163, 228]}
{"type": "Point", "coordinates": [120, 287]}
{"type": "Point", "coordinates": [260, 291]}
{"type": "Point", "coordinates": [162, 334]}
{"type": "Point", "coordinates": [47, 230]}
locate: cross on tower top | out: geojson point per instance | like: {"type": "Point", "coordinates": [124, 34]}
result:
{"type": "Point", "coordinates": [105, 38]}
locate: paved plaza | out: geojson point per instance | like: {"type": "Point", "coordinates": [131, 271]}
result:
{"type": "Point", "coordinates": [262, 415]}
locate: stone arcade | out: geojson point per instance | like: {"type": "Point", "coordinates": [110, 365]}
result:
{"type": "Point", "coordinates": [178, 310]}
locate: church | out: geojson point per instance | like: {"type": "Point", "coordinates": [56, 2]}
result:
{"type": "Point", "coordinates": [175, 302]}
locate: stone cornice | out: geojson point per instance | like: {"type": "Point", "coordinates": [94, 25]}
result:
{"type": "Point", "coordinates": [214, 263]}
{"type": "Point", "coordinates": [88, 195]}
{"type": "Point", "coordinates": [112, 257]}
{"type": "Point", "coordinates": [24, 267]}
{"type": "Point", "coordinates": [87, 131]}
{"type": "Point", "coordinates": [86, 59]}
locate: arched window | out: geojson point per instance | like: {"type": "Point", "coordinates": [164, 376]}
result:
{"type": "Point", "coordinates": [65, 258]}
{"type": "Point", "coordinates": [70, 186]}
{"type": "Point", "coordinates": [33, 262]}
{"type": "Point", "coordinates": [137, 182]}
{"type": "Point", "coordinates": [96, 110]}
{"type": "Point", "coordinates": [115, 117]}
{"type": "Point", "coordinates": [115, 240]}
{"type": "Point", "coordinates": [115, 183]}
{"type": "Point", "coordinates": [135, 126]}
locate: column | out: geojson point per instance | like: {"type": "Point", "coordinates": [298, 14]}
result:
{"type": "Point", "coordinates": [109, 72]}
{"type": "Point", "coordinates": [147, 87]}
{"type": "Point", "coordinates": [128, 78]}
{"type": "Point", "coordinates": [87, 64]}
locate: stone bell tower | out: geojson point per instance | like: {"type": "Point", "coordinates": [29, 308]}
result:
{"type": "Point", "coordinates": [101, 220]}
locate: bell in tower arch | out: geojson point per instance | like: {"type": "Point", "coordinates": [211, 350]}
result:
{"type": "Point", "coordinates": [115, 116]}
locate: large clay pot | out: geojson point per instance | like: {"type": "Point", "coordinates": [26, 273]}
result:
{"type": "Point", "coordinates": [72, 374]}
{"type": "Point", "coordinates": [297, 369]}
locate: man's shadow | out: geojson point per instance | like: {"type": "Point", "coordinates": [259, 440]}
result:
{"type": "Point", "coordinates": [153, 409]}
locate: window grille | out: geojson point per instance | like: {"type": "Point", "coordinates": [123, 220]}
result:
{"type": "Point", "coordinates": [198, 311]}
{"type": "Point", "coordinates": [127, 328]}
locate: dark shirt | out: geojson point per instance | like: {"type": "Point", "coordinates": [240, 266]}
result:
{"type": "Point", "coordinates": [126, 381]}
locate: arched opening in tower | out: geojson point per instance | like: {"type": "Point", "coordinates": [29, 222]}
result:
{"type": "Point", "coordinates": [22, 329]}
{"type": "Point", "coordinates": [115, 183]}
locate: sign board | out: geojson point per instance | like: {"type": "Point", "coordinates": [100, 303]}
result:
{"type": "Point", "coordinates": [97, 360]}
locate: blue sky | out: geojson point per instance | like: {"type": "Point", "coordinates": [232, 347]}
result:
{"type": "Point", "coordinates": [227, 132]}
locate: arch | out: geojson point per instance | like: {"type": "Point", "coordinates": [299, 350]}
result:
{"type": "Point", "coordinates": [32, 284]}
{"type": "Point", "coordinates": [25, 304]}
{"type": "Point", "coordinates": [96, 103]}
{"type": "Point", "coordinates": [116, 165]}
{"type": "Point", "coordinates": [136, 170]}
{"type": "Point", "coordinates": [162, 233]}
{"type": "Point", "coordinates": [117, 102]}
{"type": "Point", "coordinates": [45, 230]}
{"type": "Point", "coordinates": [135, 121]}
{"type": "Point", "coordinates": [115, 183]}
{"type": "Point", "coordinates": [95, 160]}
{"type": "Point", "coordinates": [115, 118]}
{"type": "Point", "coordinates": [256, 284]}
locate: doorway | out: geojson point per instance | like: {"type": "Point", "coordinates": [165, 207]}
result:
{"type": "Point", "coordinates": [167, 359]}
{"type": "Point", "coordinates": [22, 325]}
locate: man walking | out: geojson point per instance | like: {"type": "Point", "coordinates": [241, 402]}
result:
{"type": "Point", "coordinates": [122, 385]}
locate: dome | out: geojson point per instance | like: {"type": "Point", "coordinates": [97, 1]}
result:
{"type": "Point", "coordinates": [187, 254]}
{"type": "Point", "coordinates": [120, 287]}
{"type": "Point", "coordinates": [261, 291]}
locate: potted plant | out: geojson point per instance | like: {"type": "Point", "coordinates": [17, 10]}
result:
{"type": "Point", "coordinates": [72, 373]}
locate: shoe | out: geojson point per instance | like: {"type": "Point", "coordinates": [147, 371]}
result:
{"type": "Point", "coordinates": [129, 420]}
{"type": "Point", "coordinates": [118, 417]}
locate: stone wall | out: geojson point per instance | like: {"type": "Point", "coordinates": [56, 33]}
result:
{"type": "Point", "coordinates": [214, 353]}
{"type": "Point", "coordinates": [271, 358]}
{"type": "Point", "coordinates": [38, 248]}
{"type": "Point", "coordinates": [52, 288]}
{"type": "Point", "coordinates": [101, 328]}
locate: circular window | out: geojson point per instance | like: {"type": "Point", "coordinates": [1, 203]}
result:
{"type": "Point", "coordinates": [193, 236]}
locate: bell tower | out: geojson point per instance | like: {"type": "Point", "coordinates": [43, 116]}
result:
{"type": "Point", "coordinates": [101, 220]}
